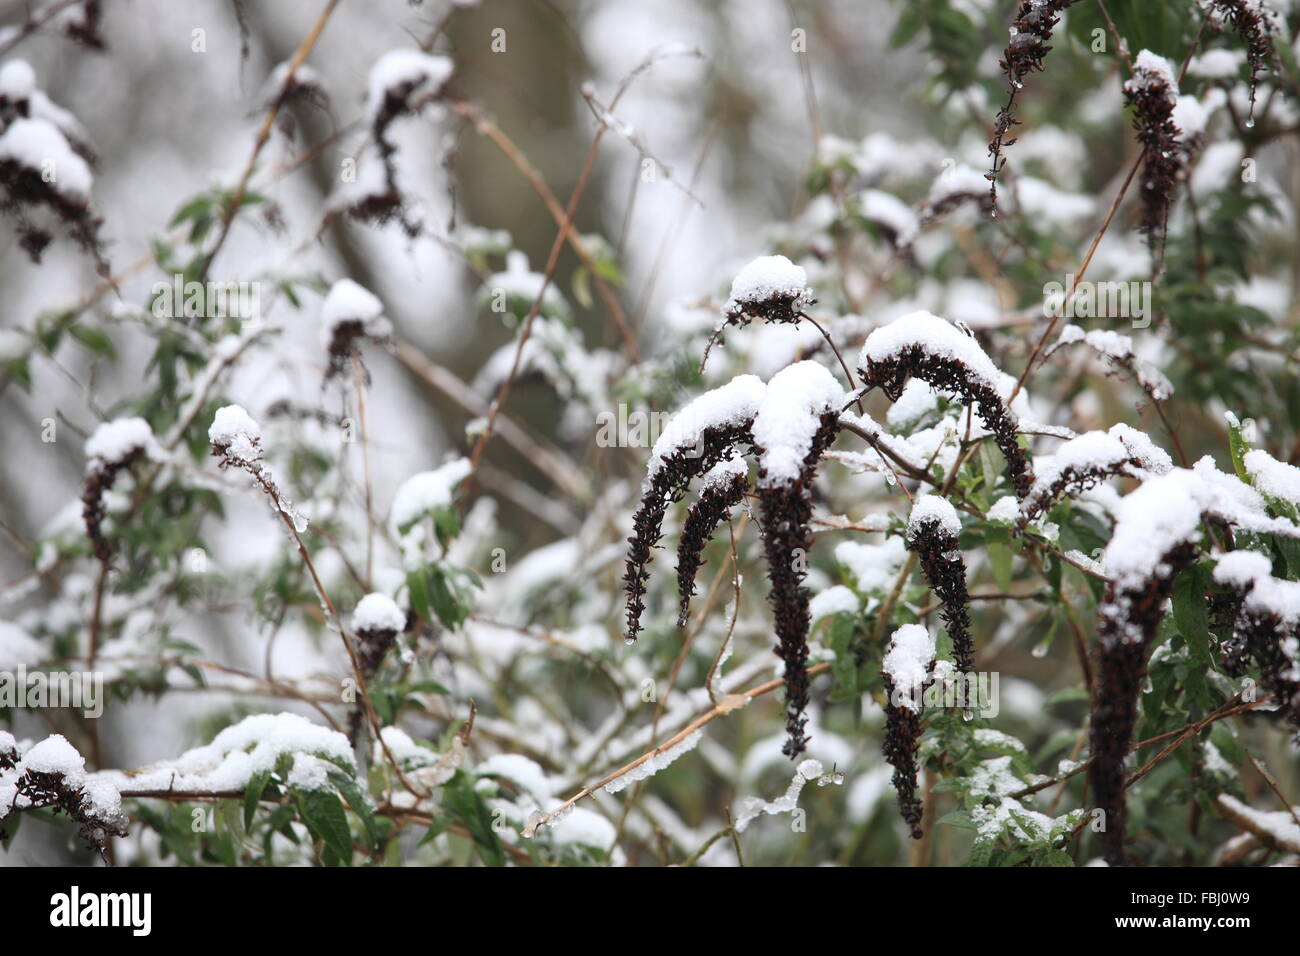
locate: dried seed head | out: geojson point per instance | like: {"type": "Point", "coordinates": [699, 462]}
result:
{"type": "Point", "coordinates": [932, 533]}
{"type": "Point", "coordinates": [771, 289]}
{"type": "Point", "coordinates": [924, 346]}
{"type": "Point", "coordinates": [1128, 620]}
{"type": "Point", "coordinates": [1256, 23]}
{"type": "Point", "coordinates": [113, 448]}
{"type": "Point", "coordinates": [721, 490]}
{"type": "Point", "coordinates": [1152, 91]}
{"type": "Point", "coordinates": [787, 510]}
{"type": "Point", "coordinates": [906, 669]}
{"type": "Point", "coordinates": [1030, 32]}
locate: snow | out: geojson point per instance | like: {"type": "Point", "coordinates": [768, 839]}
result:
{"type": "Point", "coordinates": [1279, 824]}
{"type": "Point", "coordinates": [584, 827]}
{"type": "Point", "coordinates": [872, 566]}
{"type": "Point", "coordinates": [1166, 511]}
{"type": "Point", "coordinates": [959, 180]}
{"type": "Point", "coordinates": [18, 648]}
{"type": "Point", "coordinates": [237, 753]}
{"type": "Point", "coordinates": [1043, 201]}
{"type": "Point", "coordinates": [235, 433]}
{"type": "Point", "coordinates": [1143, 450]}
{"type": "Point", "coordinates": [1120, 349]}
{"type": "Point", "coordinates": [112, 442]}
{"type": "Point", "coordinates": [526, 773]}
{"type": "Point", "coordinates": [808, 771]}
{"type": "Point", "coordinates": [1272, 595]}
{"type": "Point", "coordinates": [309, 773]}
{"type": "Point", "coordinates": [405, 750]}
{"type": "Point", "coordinates": [404, 68]}
{"type": "Point", "coordinates": [371, 182]}
{"type": "Point", "coordinates": [1217, 64]}
{"type": "Point", "coordinates": [892, 213]}
{"type": "Point", "coordinates": [304, 77]}
{"type": "Point", "coordinates": [730, 405]}
{"type": "Point", "coordinates": [936, 336]}
{"type": "Point", "coordinates": [1150, 69]}
{"type": "Point", "coordinates": [1274, 478]}
{"type": "Point", "coordinates": [39, 146]}
{"type": "Point", "coordinates": [426, 492]}
{"type": "Point", "coordinates": [55, 755]}
{"type": "Point", "coordinates": [1006, 509]}
{"type": "Point", "coordinates": [653, 765]}
{"type": "Point", "coordinates": [1098, 452]}
{"type": "Point", "coordinates": [378, 612]}
{"type": "Point", "coordinates": [917, 401]}
{"type": "Point", "coordinates": [17, 81]}
{"type": "Point", "coordinates": [1190, 117]}
{"type": "Point", "coordinates": [349, 301]}
{"type": "Point", "coordinates": [724, 473]}
{"type": "Point", "coordinates": [1240, 569]}
{"type": "Point", "coordinates": [834, 600]}
{"type": "Point", "coordinates": [518, 281]}
{"type": "Point", "coordinates": [931, 509]}
{"type": "Point", "coordinates": [790, 416]}
{"type": "Point", "coordinates": [907, 662]}
{"type": "Point", "coordinates": [1162, 513]}
{"type": "Point", "coordinates": [765, 278]}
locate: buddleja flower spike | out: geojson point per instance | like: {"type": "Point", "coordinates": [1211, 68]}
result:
{"type": "Point", "coordinates": [788, 425]}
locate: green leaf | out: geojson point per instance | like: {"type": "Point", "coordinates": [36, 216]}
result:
{"type": "Point", "coordinates": [322, 812]}
{"type": "Point", "coordinates": [193, 210]}
{"type": "Point", "coordinates": [582, 287]}
{"type": "Point", "coordinates": [958, 818]}
{"type": "Point", "coordinates": [1191, 615]}
{"type": "Point", "coordinates": [1000, 559]}
{"type": "Point", "coordinates": [360, 806]}
{"type": "Point", "coordinates": [417, 585]}
{"type": "Point", "coordinates": [1053, 858]}
{"type": "Point", "coordinates": [253, 795]}
{"type": "Point", "coordinates": [463, 803]}
{"type": "Point", "coordinates": [1237, 448]}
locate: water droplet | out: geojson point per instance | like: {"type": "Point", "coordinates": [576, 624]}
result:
{"type": "Point", "coordinates": [968, 715]}
{"type": "Point", "coordinates": [1147, 686]}
{"type": "Point", "coordinates": [993, 214]}
{"type": "Point", "coordinates": [1250, 122]}
{"type": "Point", "coordinates": [1041, 648]}
{"type": "Point", "coordinates": [629, 640]}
